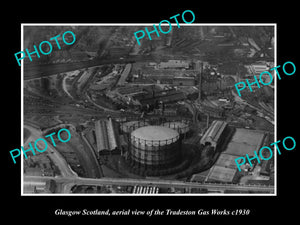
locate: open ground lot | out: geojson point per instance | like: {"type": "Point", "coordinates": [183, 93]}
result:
{"type": "Point", "coordinates": [245, 141]}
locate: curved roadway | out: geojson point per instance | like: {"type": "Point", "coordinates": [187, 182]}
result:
{"type": "Point", "coordinates": [53, 154]}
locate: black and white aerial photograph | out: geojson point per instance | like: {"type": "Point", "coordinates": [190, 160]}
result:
{"type": "Point", "coordinates": [161, 115]}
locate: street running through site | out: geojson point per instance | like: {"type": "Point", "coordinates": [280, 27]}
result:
{"type": "Point", "coordinates": [68, 182]}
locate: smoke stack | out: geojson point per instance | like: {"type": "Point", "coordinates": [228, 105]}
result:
{"type": "Point", "coordinates": [200, 81]}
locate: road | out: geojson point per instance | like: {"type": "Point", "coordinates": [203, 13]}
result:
{"type": "Point", "coordinates": [64, 86]}
{"type": "Point", "coordinates": [68, 182]}
{"type": "Point", "coordinates": [32, 70]}
{"type": "Point", "coordinates": [92, 157]}
{"type": "Point", "coordinates": [53, 154]}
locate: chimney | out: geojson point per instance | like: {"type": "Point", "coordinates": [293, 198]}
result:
{"type": "Point", "coordinates": [200, 68]}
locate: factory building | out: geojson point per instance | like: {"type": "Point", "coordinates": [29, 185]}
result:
{"type": "Point", "coordinates": [155, 147]}
{"type": "Point", "coordinates": [124, 75]}
{"type": "Point", "coordinates": [107, 137]}
{"type": "Point", "coordinates": [216, 135]}
{"type": "Point", "coordinates": [174, 64]}
{"type": "Point", "coordinates": [184, 81]}
{"type": "Point", "coordinates": [258, 68]}
{"type": "Point", "coordinates": [83, 79]}
{"type": "Point", "coordinates": [165, 97]}
{"type": "Point", "coordinates": [213, 112]}
{"type": "Point", "coordinates": [131, 90]}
